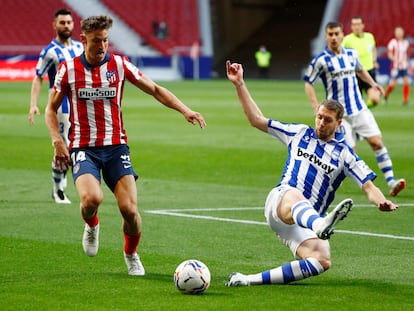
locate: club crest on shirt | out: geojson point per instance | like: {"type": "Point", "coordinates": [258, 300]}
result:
{"type": "Point", "coordinates": [111, 76]}
{"type": "Point", "coordinates": [335, 155]}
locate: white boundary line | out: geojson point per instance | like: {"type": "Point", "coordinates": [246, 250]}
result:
{"type": "Point", "coordinates": [186, 212]}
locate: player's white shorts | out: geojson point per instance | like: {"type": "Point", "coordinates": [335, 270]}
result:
{"type": "Point", "coordinates": [361, 125]}
{"type": "Point", "coordinates": [290, 235]}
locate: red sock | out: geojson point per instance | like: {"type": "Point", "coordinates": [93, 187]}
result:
{"type": "Point", "coordinates": [406, 92]}
{"type": "Point", "coordinates": [131, 243]}
{"type": "Point", "coordinates": [388, 90]}
{"type": "Point", "coordinates": [92, 222]}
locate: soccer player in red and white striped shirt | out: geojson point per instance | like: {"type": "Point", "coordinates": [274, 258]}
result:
{"type": "Point", "coordinates": [398, 54]}
{"type": "Point", "coordinates": [94, 83]}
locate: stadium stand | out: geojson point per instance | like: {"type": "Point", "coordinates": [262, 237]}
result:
{"type": "Point", "coordinates": [181, 18]}
{"type": "Point", "coordinates": [27, 25]}
{"type": "Point", "coordinates": [381, 17]}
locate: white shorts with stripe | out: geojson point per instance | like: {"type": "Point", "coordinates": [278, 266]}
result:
{"type": "Point", "coordinates": [290, 235]}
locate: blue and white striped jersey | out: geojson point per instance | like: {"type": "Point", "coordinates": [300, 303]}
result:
{"type": "Point", "coordinates": [317, 168]}
{"type": "Point", "coordinates": [338, 75]}
{"type": "Point", "coordinates": [52, 55]}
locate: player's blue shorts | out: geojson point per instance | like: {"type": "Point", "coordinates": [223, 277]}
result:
{"type": "Point", "coordinates": [399, 73]}
{"type": "Point", "coordinates": [113, 161]}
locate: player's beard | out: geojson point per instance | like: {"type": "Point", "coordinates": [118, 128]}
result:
{"type": "Point", "coordinates": [64, 35]}
{"type": "Point", "coordinates": [324, 134]}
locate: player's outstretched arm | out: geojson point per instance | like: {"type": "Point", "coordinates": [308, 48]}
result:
{"type": "Point", "coordinates": [250, 108]}
{"type": "Point", "coordinates": [377, 197]}
{"type": "Point", "coordinates": [169, 100]}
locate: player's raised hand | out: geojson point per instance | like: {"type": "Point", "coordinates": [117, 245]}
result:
{"type": "Point", "coordinates": [234, 72]}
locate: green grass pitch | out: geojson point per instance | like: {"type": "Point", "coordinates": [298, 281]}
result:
{"type": "Point", "coordinates": [221, 176]}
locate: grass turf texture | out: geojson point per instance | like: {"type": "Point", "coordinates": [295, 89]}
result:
{"type": "Point", "coordinates": [228, 164]}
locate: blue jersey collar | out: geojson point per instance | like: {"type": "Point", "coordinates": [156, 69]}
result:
{"type": "Point", "coordinates": [89, 66]}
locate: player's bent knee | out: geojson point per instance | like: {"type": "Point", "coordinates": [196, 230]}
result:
{"type": "Point", "coordinates": [91, 200]}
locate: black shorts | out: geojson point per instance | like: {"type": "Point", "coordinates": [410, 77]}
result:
{"type": "Point", "coordinates": [363, 86]}
{"type": "Point", "coordinates": [113, 161]}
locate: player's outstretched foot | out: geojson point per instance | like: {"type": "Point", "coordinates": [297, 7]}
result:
{"type": "Point", "coordinates": [60, 197]}
{"type": "Point", "coordinates": [396, 186]}
{"type": "Point", "coordinates": [327, 228]}
{"type": "Point", "coordinates": [237, 279]}
{"type": "Point", "coordinates": [90, 240]}
{"type": "Point", "coordinates": [134, 264]}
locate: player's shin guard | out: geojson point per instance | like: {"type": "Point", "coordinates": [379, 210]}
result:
{"type": "Point", "coordinates": [293, 271]}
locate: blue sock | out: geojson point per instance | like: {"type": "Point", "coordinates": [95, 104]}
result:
{"type": "Point", "coordinates": [292, 271]}
{"type": "Point", "coordinates": [304, 214]}
{"type": "Point", "coordinates": [385, 164]}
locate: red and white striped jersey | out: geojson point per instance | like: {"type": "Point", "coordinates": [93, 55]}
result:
{"type": "Point", "coordinates": [399, 50]}
{"type": "Point", "coordinates": [95, 96]}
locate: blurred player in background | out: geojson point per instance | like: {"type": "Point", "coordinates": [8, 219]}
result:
{"type": "Point", "coordinates": [364, 43]}
{"type": "Point", "coordinates": [62, 48]}
{"type": "Point", "coordinates": [94, 83]}
{"type": "Point", "coordinates": [318, 161]}
{"type": "Point", "coordinates": [400, 65]}
{"type": "Point", "coordinates": [337, 67]}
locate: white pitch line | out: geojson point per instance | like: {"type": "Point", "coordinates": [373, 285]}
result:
{"type": "Point", "coordinates": [182, 213]}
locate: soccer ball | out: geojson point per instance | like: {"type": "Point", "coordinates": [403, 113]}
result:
{"type": "Point", "coordinates": [192, 277]}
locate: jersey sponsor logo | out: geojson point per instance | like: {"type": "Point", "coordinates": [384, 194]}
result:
{"type": "Point", "coordinates": [315, 160]}
{"type": "Point", "coordinates": [342, 73]}
{"type": "Point", "coordinates": [97, 93]}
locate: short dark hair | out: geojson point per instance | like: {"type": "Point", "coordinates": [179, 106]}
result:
{"type": "Point", "coordinates": [334, 105]}
{"type": "Point", "coordinates": [93, 23]}
{"type": "Point", "coordinates": [62, 11]}
{"type": "Point", "coordinates": [357, 17]}
{"type": "Point", "coordinates": [334, 25]}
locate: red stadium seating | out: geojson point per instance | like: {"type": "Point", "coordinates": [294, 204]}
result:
{"type": "Point", "coordinates": [380, 17]}
{"type": "Point", "coordinates": [27, 25]}
{"type": "Point", "coordinates": [181, 17]}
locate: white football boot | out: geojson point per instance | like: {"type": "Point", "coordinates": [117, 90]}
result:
{"type": "Point", "coordinates": [237, 279]}
{"type": "Point", "coordinates": [90, 240]}
{"type": "Point", "coordinates": [326, 229]}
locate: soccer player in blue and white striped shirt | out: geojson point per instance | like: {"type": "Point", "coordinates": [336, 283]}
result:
{"type": "Point", "coordinates": [337, 67]}
{"type": "Point", "coordinates": [61, 48]}
{"type": "Point", "coordinates": [318, 161]}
